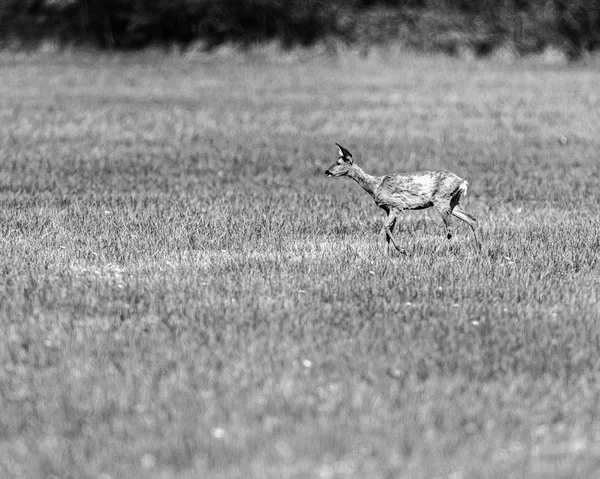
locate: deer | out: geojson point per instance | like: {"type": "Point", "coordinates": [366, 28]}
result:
{"type": "Point", "coordinates": [395, 193]}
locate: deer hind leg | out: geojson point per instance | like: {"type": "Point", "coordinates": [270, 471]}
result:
{"type": "Point", "coordinates": [388, 226]}
{"type": "Point", "coordinates": [446, 220]}
{"type": "Point", "coordinates": [470, 220]}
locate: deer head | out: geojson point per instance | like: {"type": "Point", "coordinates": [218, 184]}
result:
{"type": "Point", "coordinates": [343, 165]}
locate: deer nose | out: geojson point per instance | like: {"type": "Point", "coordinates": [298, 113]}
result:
{"type": "Point", "coordinates": [328, 173]}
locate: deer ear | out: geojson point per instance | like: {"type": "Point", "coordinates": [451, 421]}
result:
{"type": "Point", "coordinates": [344, 154]}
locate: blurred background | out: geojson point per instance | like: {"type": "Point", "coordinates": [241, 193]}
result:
{"type": "Point", "coordinates": [452, 26]}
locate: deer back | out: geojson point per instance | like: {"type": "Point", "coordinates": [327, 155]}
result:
{"type": "Point", "coordinates": [417, 190]}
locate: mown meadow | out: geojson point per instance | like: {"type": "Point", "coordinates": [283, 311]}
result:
{"type": "Point", "coordinates": [183, 293]}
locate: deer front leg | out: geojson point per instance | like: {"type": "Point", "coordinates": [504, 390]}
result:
{"type": "Point", "coordinates": [444, 210]}
{"type": "Point", "coordinates": [446, 220]}
{"type": "Point", "coordinates": [388, 226]}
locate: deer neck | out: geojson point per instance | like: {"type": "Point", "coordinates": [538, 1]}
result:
{"type": "Point", "coordinates": [368, 182]}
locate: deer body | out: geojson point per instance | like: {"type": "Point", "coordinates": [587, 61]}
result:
{"type": "Point", "coordinates": [415, 191]}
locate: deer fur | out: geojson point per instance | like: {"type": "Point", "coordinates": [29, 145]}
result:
{"type": "Point", "coordinates": [413, 191]}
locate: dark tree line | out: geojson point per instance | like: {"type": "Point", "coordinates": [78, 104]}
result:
{"type": "Point", "coordinates": [483, 25]}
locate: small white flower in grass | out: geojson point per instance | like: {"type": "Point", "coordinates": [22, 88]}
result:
{"type": "Point", "coordinates": [408, 303]}
{"type": "Point", "coordinates": [475, 323]}
{"type": "Point", "coordinates": [20, 448]}
{"type": "Point", "coordinates": [326, 471]}
{"type": "Point", "coordinates": [578, 445]}
{"type": "Point", "coordinates": [365, 449]}
{"type": "Point", "coordinates": [284, 449]}
{"type": "Point", "coordinates": [106, 212]}
{"type": "Point", "coordinates": [217, 432]}
{"type": "Point", "coordinates": [148, 461]}
{"type": "Point", "coordinates": [307, 363]}
{"type": "Point", "coordinates": [372, 273]}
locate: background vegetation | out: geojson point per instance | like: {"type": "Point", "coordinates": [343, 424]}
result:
{"type": "Point", "coordinates": [448, 25]}
{"type": "Point", "coordinates": [183, 293]}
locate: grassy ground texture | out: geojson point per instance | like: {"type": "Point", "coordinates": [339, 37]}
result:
{"type": "Point", "coordinates": [183, 293]}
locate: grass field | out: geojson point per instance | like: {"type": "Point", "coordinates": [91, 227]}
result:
{"type": "Point", "coordinates": [183, 293]}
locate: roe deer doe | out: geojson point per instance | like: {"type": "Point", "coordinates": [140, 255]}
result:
{"type": "Point", "coordinates": [414, 191]}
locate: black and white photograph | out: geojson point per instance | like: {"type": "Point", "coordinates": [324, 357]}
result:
{"type": "Point", "coordinates": [288, 239]}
